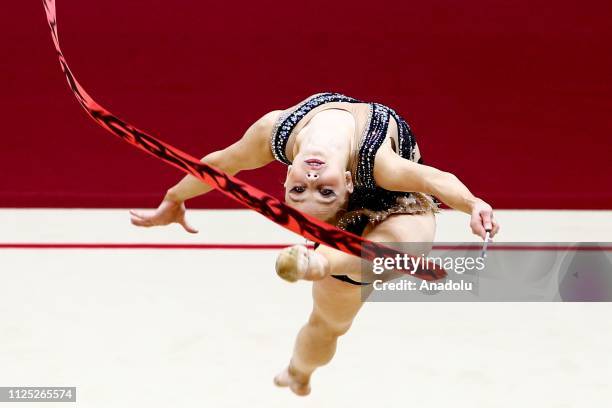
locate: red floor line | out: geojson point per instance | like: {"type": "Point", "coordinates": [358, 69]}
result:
{"type": "Point", "coordinates": [493, 247]}
{"type": "Point", "coordinates": [79, 245]}
{"type": "Point", "coordinates": [138, 246]}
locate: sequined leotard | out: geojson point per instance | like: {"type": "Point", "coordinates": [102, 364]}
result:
{"type": "Point", "coordinates": [368, 203]}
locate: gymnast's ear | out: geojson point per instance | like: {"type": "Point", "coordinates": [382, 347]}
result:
{"type": "Point", "coordinates": [349, 181]}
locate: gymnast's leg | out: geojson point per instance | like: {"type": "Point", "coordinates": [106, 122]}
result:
{"type": "Point", "coordinates": [336, 303]}
{"type": "Point", "coordinates": [298, 262]}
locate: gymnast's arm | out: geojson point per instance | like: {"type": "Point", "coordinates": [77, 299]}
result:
{"type": "Point", "coordinates": [392, 172]}
{"type": "Point", "coordinates": [250, 152]}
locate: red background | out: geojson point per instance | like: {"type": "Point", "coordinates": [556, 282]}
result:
{"type": "Point", "coordinates": [512, 96]}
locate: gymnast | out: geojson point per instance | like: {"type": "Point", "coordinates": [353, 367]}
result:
{"type": "Point", "coordinates": [352, 164]}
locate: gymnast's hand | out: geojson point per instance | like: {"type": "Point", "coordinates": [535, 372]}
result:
{"type": "Point", "coordinates": [169, 211]}
{"type": "Point", "coordinates": [482, 219]}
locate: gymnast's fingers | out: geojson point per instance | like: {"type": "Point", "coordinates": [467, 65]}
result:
{"type": "Point", "coordinates": [476, 226]}
{"type": "Point", "coordinates": [139, 214]}
{"type": "Point", "coordinates": [140, 222]}
{"type": "Point", "coordinates": [187, 226]}
{"type": "Point", "coordinates": [495, 227]}
{"type": "Point", "coordinates": [486, 215]}
{"type": "Point", "coordinates": [141, 219]}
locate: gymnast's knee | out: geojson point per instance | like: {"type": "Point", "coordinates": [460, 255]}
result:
{"type": "Point", "coordinates": [326, 326]}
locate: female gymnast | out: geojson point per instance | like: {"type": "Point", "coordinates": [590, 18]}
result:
{"type": "Point", "coordinates": [353, 164]}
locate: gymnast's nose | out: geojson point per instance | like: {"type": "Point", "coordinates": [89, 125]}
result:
{"type": "Point", "coordinates": [312, 176]}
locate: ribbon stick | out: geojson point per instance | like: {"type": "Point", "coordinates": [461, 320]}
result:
{"type": "Point", "coordinates": [247, 195]}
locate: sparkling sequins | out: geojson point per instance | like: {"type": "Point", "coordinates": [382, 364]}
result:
{"type": "Point", "coordinates": [285, 125]}
{"type": "Point", "coordinates": [373, 139]}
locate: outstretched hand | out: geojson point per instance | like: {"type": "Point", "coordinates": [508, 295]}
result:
{"type": "Point", "coordinates": [168, 212]}
{"type": "Point", "coordinates": [482, 220]}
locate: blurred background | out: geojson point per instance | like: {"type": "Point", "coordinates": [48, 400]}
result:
{"type": "Point", "coordinates": [513, 96]}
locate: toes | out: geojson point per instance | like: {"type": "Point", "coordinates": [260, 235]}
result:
{"type": "Point", "coordinates": [285, 379]}
{"type": "Point", "coordinates": [298, 262]}
{"type": "Point", "coordinates": [291, 264]}
{"type": "Point", "coordinates": [279, 381]}
{"type": "Point", "coordinates": [286, 267]}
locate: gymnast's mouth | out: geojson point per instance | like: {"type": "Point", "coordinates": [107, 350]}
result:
{"type": "Point", "coordinates": [314, 163]}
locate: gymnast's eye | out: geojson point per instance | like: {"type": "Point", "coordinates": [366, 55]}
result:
{"type": "Point", "coordinates": [297, 189]}
{"type": "Point", "coordinates": [326, 192]}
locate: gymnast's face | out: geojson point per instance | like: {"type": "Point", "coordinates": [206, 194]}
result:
{"type": "Point", "coordinates": [317, 187]}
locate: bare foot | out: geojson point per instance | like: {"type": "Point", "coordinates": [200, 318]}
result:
{"type": "Point", "coordinates": [289, 378]}
{"type": "Point", "coordinates": [298, 262]}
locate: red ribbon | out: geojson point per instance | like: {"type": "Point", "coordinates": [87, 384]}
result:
{"type": "Point", "coordinates": [249, 196]}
